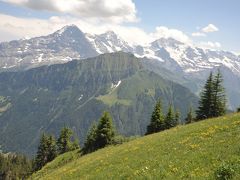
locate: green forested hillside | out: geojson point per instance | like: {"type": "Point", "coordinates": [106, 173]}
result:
{"type": "Point", "coordinates": [14, 166]}
{"type": "Point", "coordinates": [75, 94]}
{"type": "Point", "coordinates": [203, 150]}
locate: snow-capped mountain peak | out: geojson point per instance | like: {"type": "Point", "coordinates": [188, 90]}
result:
{"type": "Point", "coordinates": [69, 31]}
{"type": "Point", "coordinates": [166, 42]}
{"type": "Point", "coordinates": [67, 28]}
{"type": "Point", "coordinates": [110, 35]}
{"type": "Point", "coordinates": [108, 42]}
{"type": "Point", "coordinates": [71, 43]}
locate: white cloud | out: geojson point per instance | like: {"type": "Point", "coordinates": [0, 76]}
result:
{"type": "Point", "coordinates": [210, 28]}
{"type": "Point", "coordinates": [91, 16]}
{"type": "Point", "coordinates": [198, 34]}
{"type": "Point", "coordinates": [21, 27]}
{"type": "Point", "coordinates": [164, 32]}
{"type": "Point", "coordinates": [12, 28]}
{"type": "Point", "coordinates": [16, 28]}
{"type": "Point", "coordinates": [116, 11]}
{"type": "Point", "coordinates": [210, 45]}
{"type": "Point", "coordinates": [203, 32]}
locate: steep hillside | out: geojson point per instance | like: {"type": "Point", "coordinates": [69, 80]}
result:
{"type": "Point", "coordinates": [195, 151]}
{"type": "Point", "coordinates": [75, 94]}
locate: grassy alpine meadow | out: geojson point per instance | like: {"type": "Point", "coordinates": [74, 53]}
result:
{"type": "Point", "coordinates": [208, 149]}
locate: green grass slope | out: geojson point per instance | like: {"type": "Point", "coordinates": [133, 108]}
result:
{"type": "Point", "coordinates": [193, 151]}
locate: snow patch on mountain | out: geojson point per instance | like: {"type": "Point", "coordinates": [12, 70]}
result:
{"type": "Point", "coordinates": [114, 86]}
{"type": "Point", "coordinates": [40, 58]}
{"type": "Point", "coordinates": [80, 98]}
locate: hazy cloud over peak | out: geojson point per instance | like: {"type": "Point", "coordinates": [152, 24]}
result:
{"type": "Point", "coordinates": [117, 11]}
{"type": "Point", "coordinates": [165, 32]}
{"type": "Point", "coordinates": [138, 22]}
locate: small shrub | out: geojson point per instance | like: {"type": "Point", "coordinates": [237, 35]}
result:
{"type": "Point", "coordinates": [119, 140]}
{"type": "Point", "coordinates": [225, 172]}
{"type": "Point", "coordinates": [238, 109]}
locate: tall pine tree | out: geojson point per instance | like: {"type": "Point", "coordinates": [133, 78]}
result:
{"type": "Point", "coordinates": [170, 119]}
{"type": "Point", "coordinates": [52, 148]}
{"type": "Point", "coordinates": [42, 153]}
{"type": "Point", "coordinates": [46, 151]}
{"type": "Point", "coordinates": [213, 99]}
{"type": "Point", "coordinates": [90, 143]}
{"type": "Point", "coordinates": [105, 132]}
{"type": "Point", "coordinates": [178, 117]}
{"type": "Point", "coordinates": [219, 97]}
{"type": "Point", "coordinates": [65, 141]}
{"type": "Point", "coordinates": [190, 117]}
{"type": "Point", "coordinates": [205, 109]}
{"type": "Point", "coordinates": [157, 120]}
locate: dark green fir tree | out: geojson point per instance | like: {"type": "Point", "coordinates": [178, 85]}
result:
{"type": "Point", "coordinates": [65, 141]}
{"type": "Point", "coordinates": [170, 119]}
{"type": "Point", "coordinates": [157, 120]}
{"type": "Point", "coordinates": [52, 148]}
{"type": "Point", "coordinates": [205, 109]}
{"type": "Point", "coordinates": [219, 96]}
{"type": "Point", "coordinates": [190, 116]}
{"type": "Point", "coordinates": [90, 143]}
{"type": "Point", "coordinates": [213, 99]}
{"type": "Point", "coordinates": [105, 131]}
{"type": "Point", "coordinates": [42, 156]}
{"type": "Point", "coordinates": [178, 117]}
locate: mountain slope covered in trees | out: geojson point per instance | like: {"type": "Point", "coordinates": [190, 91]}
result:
{"type": "Point", "coordinates": [202, 150]}
{"type": "Point", "coordinates": [76, 93]}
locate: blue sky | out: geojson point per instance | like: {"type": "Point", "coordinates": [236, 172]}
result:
{"type": "Point", "coordinates": [188, 15]}
{"type": "Point", "coordinates": [135, 16]}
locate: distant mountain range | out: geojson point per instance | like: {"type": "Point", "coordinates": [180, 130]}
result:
{"type": "Point", "coordinates": [71, 43]}
{"type": "Point", "coordinates": [191, 63]}
{"type": "Point", "coordinates": [76, 93]}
